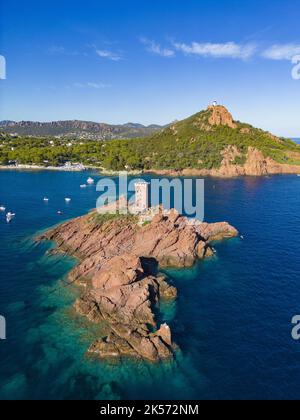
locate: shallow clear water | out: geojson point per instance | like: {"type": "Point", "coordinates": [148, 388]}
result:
{"type": "Point", "coordinates": [232, 319]}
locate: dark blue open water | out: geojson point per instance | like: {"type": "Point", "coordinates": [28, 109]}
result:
{"type": "Point", "coordinates": [232, 319]}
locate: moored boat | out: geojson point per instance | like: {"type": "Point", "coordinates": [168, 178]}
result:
{"type": "Point", "coordinates": [90, 181]}
{"type": "Point", "coordinates": [10, 216]}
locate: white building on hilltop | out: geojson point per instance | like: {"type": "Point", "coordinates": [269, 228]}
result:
{"type": "Point", "coordinates": [141, 196]}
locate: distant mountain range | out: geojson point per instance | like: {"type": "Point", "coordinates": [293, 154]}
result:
{"type": "Point", "coordinates": [78, 129]}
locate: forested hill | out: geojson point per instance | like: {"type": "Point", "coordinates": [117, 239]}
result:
{"type": "Point", "coordinates": [204, 141]}
{"type": "Point", "coordinates": [200, 141]}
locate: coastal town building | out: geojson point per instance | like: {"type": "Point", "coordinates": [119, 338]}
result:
{"type": "Point", "coordinates": [77, 166]}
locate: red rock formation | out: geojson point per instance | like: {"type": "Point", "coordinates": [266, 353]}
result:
{"type": "Point", "coordinates": [170, 239]}
{"type": "Point", "coordinates": [221, 116]}
{"type": "Point", "coordinates": [115, 262]}
{"type": "Point", "coordinates": [216, 231]}
{"type": "Point", "coordinates": [123, 295]}
{"type": "Point", "coordinates": [255, 165]}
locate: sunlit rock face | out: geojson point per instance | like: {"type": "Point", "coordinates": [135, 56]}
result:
{"type": "Point", "coordinates": [118, 262]}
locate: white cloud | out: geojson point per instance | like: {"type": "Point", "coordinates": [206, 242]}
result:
{"type": "Point", "coordinates": [91, 85]}
{"type": "Point", "coordinates": [108, 55]}
{"type": "Point", "coordinates": [221, 50]}
{"type": "Point", "coordinates": [281, 51]}
{"type": "Point", "coordinates": [156, 48]}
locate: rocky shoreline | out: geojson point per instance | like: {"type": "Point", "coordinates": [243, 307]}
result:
{"type": "Point", "coordinates": [255, 165]}
{"type": "Point", "coordinates": [118, 264]}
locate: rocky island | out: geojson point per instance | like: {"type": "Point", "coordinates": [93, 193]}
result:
{"type": "Point", "coordinates": [118, 260]}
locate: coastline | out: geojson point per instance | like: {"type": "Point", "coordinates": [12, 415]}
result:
{"type": "Point", "coordinates": [217, 174]}
{"type": "Point", "coordinates": [39, 168]}
{"type": "Point", "coordinates": [256, 165]}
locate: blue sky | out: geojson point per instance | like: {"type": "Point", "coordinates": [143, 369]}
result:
{"type": "Point", "coordinates": [151, 61]}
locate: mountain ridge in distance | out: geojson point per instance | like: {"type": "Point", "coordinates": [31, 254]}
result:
{"type": "Point", "coordinates": [78, 129]}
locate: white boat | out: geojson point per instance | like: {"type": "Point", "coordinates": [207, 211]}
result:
{"type": "Point", "coordinates": [2, 208]}
{"type": "Point", "coordinates": [90, 181]}
{"type": "Point", "coordinates": [298, 175]}
{"type": "Point", "coordinates": [83, 186]}
{"type": "Point", "coordinates": [67, 200]}
{"type": "Point", "coordinates": [46, 199]}
{"type": "Point", "coordinates": [9, 217]}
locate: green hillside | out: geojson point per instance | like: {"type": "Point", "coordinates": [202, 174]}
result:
{"type": "Point", "coordinates": [196, 142]}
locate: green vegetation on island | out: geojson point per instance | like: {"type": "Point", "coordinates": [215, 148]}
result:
{"type": "Point", "coordinates": [100, 220]}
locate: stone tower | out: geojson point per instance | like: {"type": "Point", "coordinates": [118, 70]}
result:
{"type": "Point", "coordinates": [141, 196]}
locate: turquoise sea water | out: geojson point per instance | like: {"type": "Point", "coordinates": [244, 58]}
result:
{"type": "Point", "coordinates": [232, 319]}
